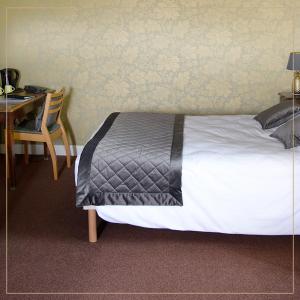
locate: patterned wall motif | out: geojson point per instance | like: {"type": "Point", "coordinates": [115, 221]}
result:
{"type": "Point", "coordinates": [195, 56]}
{"type": "Point", "coordinates": [2, 36]}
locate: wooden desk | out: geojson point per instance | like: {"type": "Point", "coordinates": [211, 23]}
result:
{"type": "Point", "coordinates": [285, 96]}
{"type": "Point", "coordinates": [13, 112]}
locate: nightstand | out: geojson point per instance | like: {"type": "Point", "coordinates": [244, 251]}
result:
{"type": "Point", "coordinates": [286, 96]}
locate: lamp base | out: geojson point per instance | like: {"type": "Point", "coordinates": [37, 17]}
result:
{"type": "Point", "coordinates": [296, 84]}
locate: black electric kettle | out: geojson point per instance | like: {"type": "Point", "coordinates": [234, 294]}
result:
{"type": "Point", "coordinates": [10, 77]}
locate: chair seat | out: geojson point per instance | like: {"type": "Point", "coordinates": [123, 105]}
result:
{"type": "Point", "coordinates": [28, 126]}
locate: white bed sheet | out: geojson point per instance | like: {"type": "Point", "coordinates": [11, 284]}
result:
{"type": "Point", "coordinates": [235, 179]}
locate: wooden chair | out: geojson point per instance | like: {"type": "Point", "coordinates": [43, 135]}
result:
{"type": "Point", "coordinates": [51, 129]}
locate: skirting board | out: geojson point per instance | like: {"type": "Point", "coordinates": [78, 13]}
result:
{"type": "Point", "coordinates": [38, 149]}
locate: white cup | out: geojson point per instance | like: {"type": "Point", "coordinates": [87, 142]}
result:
{"type": "Point", "coordinates": [8, 89]}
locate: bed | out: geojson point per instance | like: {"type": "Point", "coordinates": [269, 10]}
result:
{"type": "Point", "coordinates": [236, 179]}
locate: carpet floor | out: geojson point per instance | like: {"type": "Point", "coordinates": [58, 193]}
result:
{"type": "Point", "coordinates": [48, 252]}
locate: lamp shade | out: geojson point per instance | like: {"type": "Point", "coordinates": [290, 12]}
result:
{"type": "Point", "coordinates": [294, 61]}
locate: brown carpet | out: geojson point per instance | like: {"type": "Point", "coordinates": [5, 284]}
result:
{"type": "Point", "coordinates": [48, 251]}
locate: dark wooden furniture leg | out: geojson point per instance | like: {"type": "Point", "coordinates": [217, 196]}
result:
{"type": "Point", "coordinates": [26, 154]}
{"type": "Point", "coordinates": [10, 152]}
{"type": "Point", "coordinates": [46, 151]}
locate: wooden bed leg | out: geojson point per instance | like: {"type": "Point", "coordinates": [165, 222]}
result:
{"type": "Point", "coordinates": [92, 216]}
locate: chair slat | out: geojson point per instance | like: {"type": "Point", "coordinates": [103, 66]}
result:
{"type": "Point", "coordinates": [56, 98]}
{"type": "Point", "coordinates": [54, 110]}
{"type": "Point", "coordinates": [57, 102]}
{"type": "Point", "coordinates": [57, 94]}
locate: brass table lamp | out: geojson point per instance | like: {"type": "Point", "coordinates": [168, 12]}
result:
{"type": "Point", "coordinates": [294, 65]}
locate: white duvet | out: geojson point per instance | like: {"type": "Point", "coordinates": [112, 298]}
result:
{"type": "Point", "coordinates": [235, 179]}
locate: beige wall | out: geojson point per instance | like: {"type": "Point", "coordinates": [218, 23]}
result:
{"type": "Point", "coordinates": [193, 56]}
{"type": "Point", "coordinates": [2, 35]}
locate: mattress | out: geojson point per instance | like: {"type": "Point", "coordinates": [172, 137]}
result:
{"type": "Point", "coordinates": [236, 179]}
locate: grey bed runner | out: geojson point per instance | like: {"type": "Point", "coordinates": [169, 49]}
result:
{"type": "Point", "coordinates": [133, 159]}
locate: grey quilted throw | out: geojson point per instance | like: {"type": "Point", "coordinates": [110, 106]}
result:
{"type": "Point", "coordinates": [134, 159]}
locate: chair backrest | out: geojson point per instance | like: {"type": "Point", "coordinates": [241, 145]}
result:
{"type": "Point", "coordinates": [52, 108]}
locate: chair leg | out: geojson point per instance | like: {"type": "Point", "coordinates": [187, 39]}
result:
{"type": "Point", "coordinates": [67, 146]}
{"type": "Point", "coordinates": [26, 156]}
{"type": "Point", "coordinates": [53, 157]}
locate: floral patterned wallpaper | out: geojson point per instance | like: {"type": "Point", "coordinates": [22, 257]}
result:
{"type": "Point", "coordinates": [187, 56]}
{"type": "Point", "coordinates": [2, 36]}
